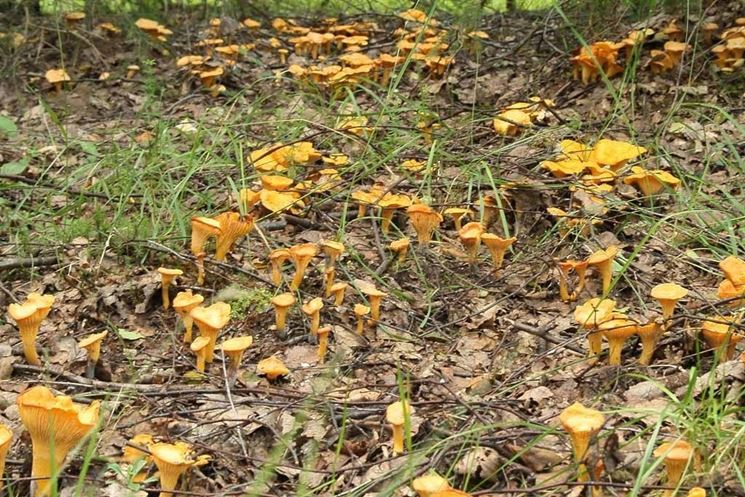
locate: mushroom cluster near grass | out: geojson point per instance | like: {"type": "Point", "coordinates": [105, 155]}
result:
{"type": "Point", "coordinates": [210, 320]}
{"type": "Point", "coordinates": [676, 456]}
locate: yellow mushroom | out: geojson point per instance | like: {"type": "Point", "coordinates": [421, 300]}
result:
{"type": "Point", "coordinates": [56, 77]}
{"type": "Point", "coordinates": [202, 229]}
{"type": "Point", "coordinates": [167, 276]}
{"type": "Point", "coordinates": [312, 309]}
{"type": "Point", "coordinates": [676, 456]}
{"type": "Point", "coordinates": [183, 305]}
{"type": "Point", "coordinates": [210, 320]}
{"type": "Point", "coordinates": [323, 342]}
{"type": "Point", "coordinates": [374, 296]}
{"type": "Point", "coordinates": [396, 414]}
{"type": "Point", "coordinates": [589, 316]}
{"type": "Point", "coordinates": [719, 333]}
{"type": "Point", "coordinates": [650, 182]}
{"type": "Point", "coordinates": [603, 260]}
{"type": "Point", "coordinates": [282, 304]}
{"type": "Point", "coordinates": [6, 437]}
{"type": "Point", "coordinates": [361, 311]}
{"type": "Point", "coordinates": [233, 349]}
{"type": "Point", "coordinates": [400, 247]}
{"type": "Point", "coordinates": [338, 290]}
{"type": "Point", "coordinates": [272, 368]}
{"type": "Point", "coordinates": [388, 204]}
{"type": "Point", "coordinates": [429, 484]}
{"type": "Point", "coordinates": [425, 220]}
{"type": "Point", "coordinates": [580, 267]}
{"type": "Point", "coordinates": [582, 424]}
{"type": "Point", "coordinates": [301, 255]}
{"type": "Point", "coordinates": [497, 248]}
{"type": "Point", "coordinates": [277, 257]}
{"type": "Point", "coordinates": [615, 153]}
{"type": "Point", "coordinates": [617, 331]}
{"type": "Point", "coordinates": [56, 425]}
{"type": "Point", "coordinates": [470, 237]}
{"type": "Point", "coordinates": [173, 460]}
{"type": "Point", "coordinates": [199, 346]}
{"type": "Point", "coordinates": [458, 213]}
{"type": "Point", "coordinates": [668, 295]}
{"type": "Point", "coordinates": [233, 226]}
{"type": "Point", "coordinates": [92, 343]}
{"type": "Point", "coordinates": [734, 270]}
{"type": "Point", "coordinates": [28, 317]}
{"type": "Point", "coordinates": [649, 335]}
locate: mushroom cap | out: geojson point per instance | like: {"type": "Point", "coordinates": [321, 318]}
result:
{"type": "Point", "coordinates": [577, 418]}
{"type": "Point", "coordinates": [602, 255]}
{"type": "Point", "coordinates": [726, 290]}
{"type": "Point", "coordinates": [733, 269]}
{"type": "Point", "coordinates": [679, 450]}
{"type": "Point", "coordinates": [457, 212]}
{"type": "Point", "coordinates": [276, 182]}
{"type": "Point", "coordinates": [400, 244]}
{"type": "Point", "coordinates": [132, 454]}
{"type": "Point", "coordinates": [618, 327]}
{"type": "Point", "coordinates": [336, 160]}
{"type": "Point", "coordinates": [668, 291]}
{"type": "Point", "coordinates": [566, 167]}
{"type": "Point", "coordinates": [571, 149]}
{"type": "Point", "coordinates": [493, 241]}
{"type": "Point", "coordinates": [92, 339]}
{"type": "Point", "coordinates": [696, 492]}
{"type": "Point", "coordinates": [57, 76]}
{"type": "Point", "coordinates": [20, 312]}
{"type": "Point", "coordinates": [718, 325]}
{"type": "Point", "coordinates": [396, 412]}
{"type": "Point", "coordinates": [191, 60]}
{"type": "Point", "coordinates": [639, 173]}
{"type": "Point", "coordinates": [323, 330]}
{"type": "Point", "coordinates": [186, 300]}
{"type": "Point", "coordinates": [451, 492]}
{"type": "Point", "coordinates": [280, 253]}
{"type": "Point", "coordinates": [170, 272]}
{"type": "Point", "coordinates": [199, 343]}
{"type": "Point", "coordinates": [313, 306]}
{"type": "Point", "coordinates": [133, 67]}
{"type": "Point", "coordinates": [612, 152]}
{"type": "Point", "coordinates": [303, 250]}
{"type": "Point", "coordinates": [430, 483]}
{"type": "Point", "coordinates": [394, 201]}
{"type": "Point", "coordinates": [205, 226]}
{"type": "Point", "coordinates": [284, 300]}
{"type": "Point", "coordinates": [215, 316]}
{"type": "Point", "coordinates": [272, 366]}
{"type": "Point", "coordinates": [5, 437]}
{"type": "Point", "coordinates": [361, 310]}
{"type": "Point", "coordinates": [332, 247]}
{"type": "Point", "coordinates": [675, 46]}
{"type": "Point", "coordinates": [211, 73]}
{"type": "Point", "coordinates": [40, 301]}
{"type": "Point", "coordinates": [369, 289]}
{"type": "Point", "coordinates": [278, 201]}
{"type": "Point", "coordinates": [147, 24]}
{"type": "Point", "coordinates": [471, 230]}
{"type": "Point", "coordinates": [250, 23]}
{"type": "Point", "coordinates": [178, 454]}
{"type": "Point", "coordinates": [237, 344]}
{"type": "Point", "coordinates": [338, 286]}
{"type": "Point", "coordinates": [594, 311]}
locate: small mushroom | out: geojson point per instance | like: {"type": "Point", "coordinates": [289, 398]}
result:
{"type": "Point", "coordinates": [56, 425]}
{"type": "Point", "coordinates": [470, 237]}
{"type": "Point", "coordinates": [338, 290]}
{"type": "Point", "coordinates": [400, 247]}
{"type": "Point", "coordinates": [708, 30]}
{"type": "Point", "coordinates": [56, 77]}
{"type": "Point", "coordinates": [719, 333]}
{"type": "Point", "coordinates": [312, 309]}
{"type": "Point", "coordinates": [28, 317]}
{"type": "Point", "coordinates": [199, 346]}
{"type": "Point", "coordinates": [332, 250]}
{"type": "Point", "coordinates": [323, 342]}
{"type": "Point", "coordinates": [732, 293]}
{"type": "Point", "coordinates": [603, 261]}
{"type": "Point", "coordinates": [676, 456]}
{"type": "Point", "coordinates": [361, 311]}
{"type": "Point", "coordinates": [589, 316]}
{"type": "Point", "coordinates": [429, 484]}
{"type": "Point", "coordinates": [202, 229]}
{"type": "Point", "coordinates": [617, 331]}
{"type": "Point", "coordinates": [209, 76]}
{"type": "Point", "coordinates": [92, 343]}
{"type": "Point", "coordinates": [301, 255]}
{"type": "Point", "coordinates": [282, 304]}
{"type": "Point", "coordinates": [668, 294]}
{"type": "Point", "coordinates": [615, 153]}
{"type": "Point", "coordinates": [167, 276]}
{"type": "Point", "coordinates": [233, 226]}
{"type": "Point", "coordinates": [277, 257]}
{"type": "Point", "coordinates": [210, 320]}
{"type": "Point", "coordinates": [580, 267]}
{"type": "Point", "coordinates": [497, 248]}
{"type": "Point", "coordinates": [649, 335]}
{"type": "Point", "coordinates": [733, 269]}
{"type": "Point", "coordinates": [458, 213]}
{"type": "Point", "coordinates": [425, 220]}
{"type": "Point", "coordinates": [73, 18]}
{"type": "Point", "coordinates": [272, 367]}
{"type": "Point", "coordinates": [397, 414]}
{"type": "Point", "coordinates": [173, 460]}
{"type": "Point", "coordinates": [233, 349]}
{"type": "Point", "coordinates": [388, 205]}
{"type": "Point", "coordinates": [132, 71]}
{"type": "Point", "coordinates": [374, 296]}
{"type": "Point", "coordinates": [183, 305]}
{"type": "Point", "coordinates": [6, 436]}
{"type": "Point", "coordinates": [582, 424]}
{"type": "Point", "coordinates": [651, 182]}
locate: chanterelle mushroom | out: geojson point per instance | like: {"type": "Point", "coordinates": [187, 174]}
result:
{"type": "Point", "coordinates": [172, 461]}
{"type": "Point", "coordinates": [167, 276]}
{"type": "Point", "coordinates": [183, 305]}
{"type": "Point", "coordinates": [425, 220]}
{"type": "Point", "coordinates": [6, 436]}
{"type": "Point", "coordinates": [313, 310]}
{"type": "Point", "coordinates": [56, 77]}
{"type": "Point", "coordinates": [581, 423]}
{"type": "Point", "coordinates": [396, 414]}
{"type": "Point", "coordinates": [272, 367]}
{"type": "Point", "coordinates": [233, 349]}
{"type": "Point", "coordinates": [617, 331]}
{"type": "Point", "coordinates": [301, 255]}
{"type": "Point", "coordinates": [603, 260]}
{"type": "Point", "coordinates": [56, 425]}
{"type": "Point", "coordinates": [429, 484]}
{"type": "Point", "coordinates": [676, 456]}
{"type": "Point", "coordinates": [92, 344]}
{"type": "Point", "coordinates": [210, 320]}
{"type": "Point", "coordinates": [233, 226]}
{"type": "Point", "coordinates": [29, 316]}
{"type": "Point", "coordinates": [589, 316]}
{"type": "Point", "coordinates": [202, 229]}
{"type": "Point", "coordinates": [668, 294]}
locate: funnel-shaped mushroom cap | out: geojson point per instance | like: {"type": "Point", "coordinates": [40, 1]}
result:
{"type": "Point", "coordinates": [199, 344]}
{"type": "Point", "coordinates": [303, 252]}
{"type": "Point", "coordinates": [615, 153]}
{"type": "Point", "coordinates": [133, 454]}
{"type": "Point", "coordinates": [232, 227]}
{"type": "Point", "coordinates": [650, 181]}
{"type": "Point", "coordinates": [56, 425]}
{"type": "Point", "coordinates": [92, 343]}
{"type": "Point", "coordinates": [494, 242]}
{"type": "Point", "coordinates": [582, 424]}
{"type": "Point", "coordinates": [429, 484]}
{"type": "Point", "coordinates": [425, 220]}
{"type": "Point", "coordinates": [234, 347]}
{"type": "Point", "coordinates": [676, 454]}
{"type": "Point", "coordinates": [594, 311]}
{"type": "Point", "coordinates": [202, 228]}
{"type": "Point", "coordinates": [57, 76]}
{"type": "Point", "coordinates": [332, 248]}
{"type": "Point", "coordinates": [284, 300]}
{"type": "Point", "coordinates": [172, 461]}
{"type": "Point", "coordinates": [602, 255]}
{"type": "Point", "coordinates": [272, 367]}
{"type": "Point", "coordinates": [400, 244]}
{"type": "Point", "coordinates": [668, 294]}
{"type": "Point", "coordinates": [361, 310]}
{"type": "Point", "coordinates": [279, 201]}
{"type": "Point", "coordinates": [727, 290]}
{"type": "Point", "coordinates": [276, 182]}
{"type": "Point", "coordinates": [313, 306]}
{"type": "Point", "coordinates": [215, 316]}
{"type": "Point", "coordinates": [280, 255]}
{"type": "Point", "coordinates": [186, 301]}
{"type": "Point", "coordinates": [169, 274]}
{"type": "Point", "coordinates": [720, 330]}
{"type": "Point", "coordinates": [43, 303]}
{"type": "Point", "coordinates": [697, 492]}
{"type": "Point", "coordinates": [397, 412]}
{"type": "Point", "coordinates": [617, 331]}
{"type": "Point", "coordinates": [28, 316]}
{"type": "Point", "coordinates": [733, 269]}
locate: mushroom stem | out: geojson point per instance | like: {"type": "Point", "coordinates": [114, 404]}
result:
{"type": "Point", "coordinates": [386, 216]}
{"type": "Point", "coordinates": [188, 327]}
{"type": "Point", "coordinates": [375, 301]}
{"type": "Point", "coordinates": [398, 439]}
{"type": "Point", "coordinates": [595, 345]}
{"type": "Point", "coordinates": [201, 363]}
{"type": "Point", "coordinates": [361, 210]}
{"type": "Point", "coordinates": [200, 267]}
{"type": "Point", "coordinates": [615, 346]}
{"type": "Point", "coordinates": [281, 317]}
{"type": "Point", "coordinates": [563, 286]}
{"type": "Point", "coordinates": [581, 278]}
{"type": "Point", "coordinates": [323, 342]}
{"type": "Point", "coordinates": [360, 325]}
{"type": "Point", "coordinates": [29, 347]}
{"type": "Point", "coordinates": [44, 465]}
{"type": "Point", "coordinates": [276, 272]}
{"type": "Point", "coordinates": [649, 335]}
{"type": "Point", "coordinates": [605, 269]}
{"type": "Point", "coordinates": [315, 322]}
{"type": "Point", "coordinates": [164, 293]}
{"type": "Point", "coordinates": [299, 275]}
{"type": "Point", "coordinates": [330, 276]}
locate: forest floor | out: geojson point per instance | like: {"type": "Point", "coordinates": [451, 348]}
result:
{"type": "Point", "coordinates": [99, 183]}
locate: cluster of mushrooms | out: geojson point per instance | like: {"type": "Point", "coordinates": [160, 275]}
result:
{"type": "Point", "coordinates": [515, 118]}
{"type": "Point", "coordinates": [601, 319]}
{"type": "Point", "coordinates": [603, 57]}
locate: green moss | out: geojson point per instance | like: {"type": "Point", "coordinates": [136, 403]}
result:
{"type": "Point", "coordinates": [244, 301]}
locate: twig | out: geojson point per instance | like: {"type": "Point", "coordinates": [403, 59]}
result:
{"type": "Point", "coordinates": [544, 334]}
{"type": "Point", "coordinates": [28, 262]}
